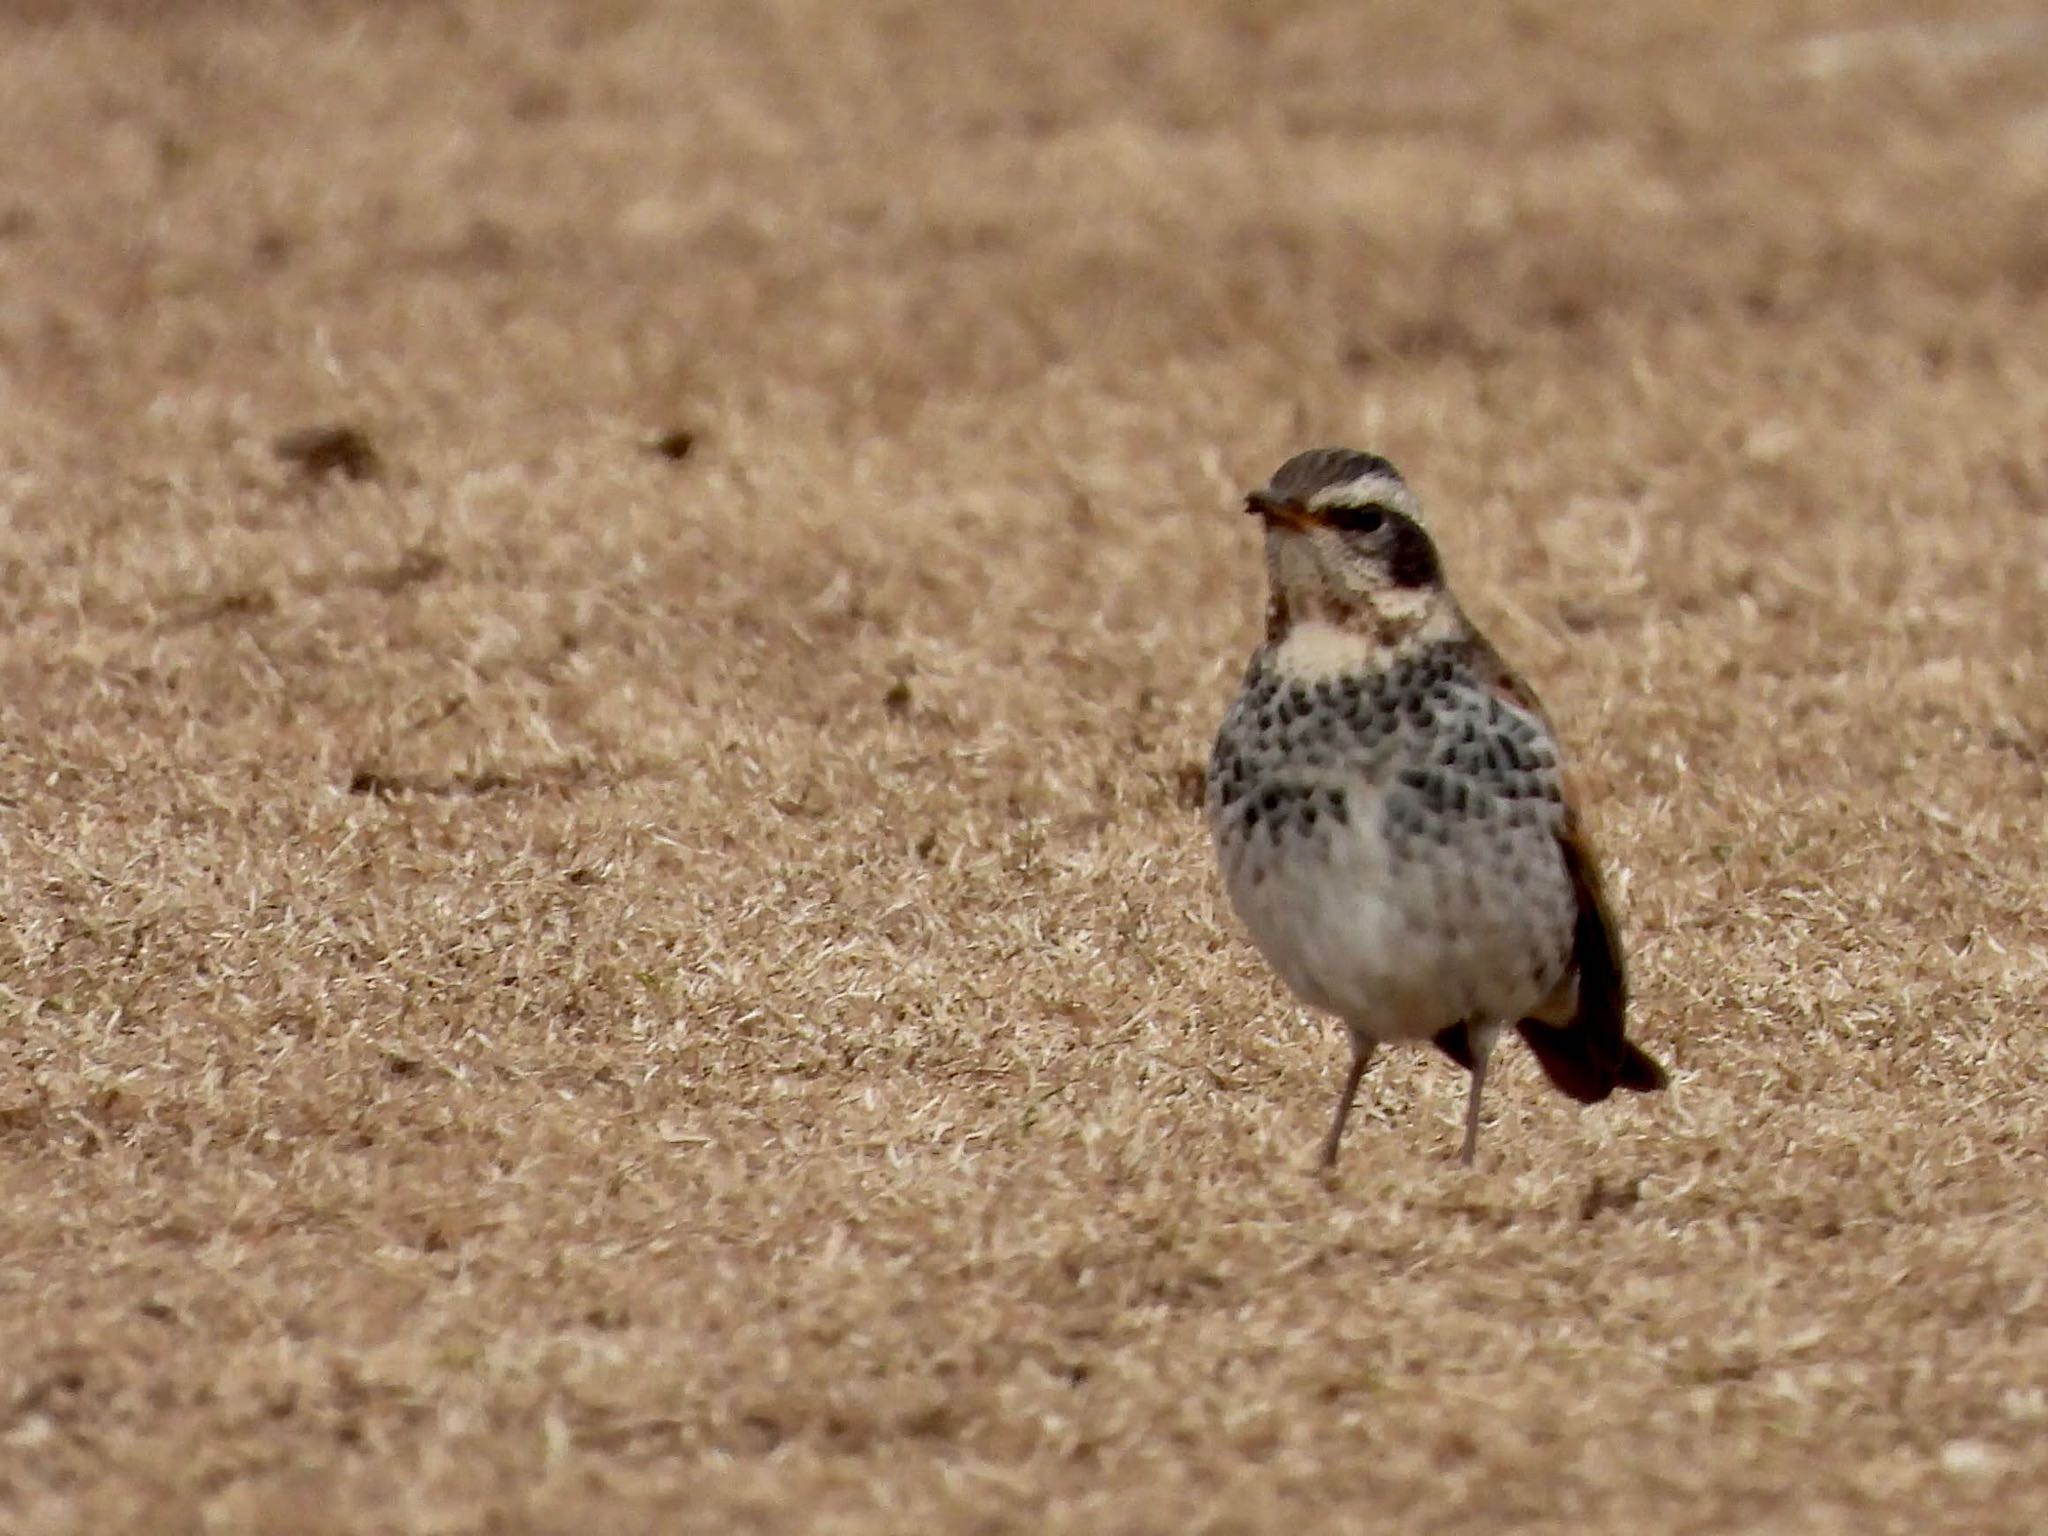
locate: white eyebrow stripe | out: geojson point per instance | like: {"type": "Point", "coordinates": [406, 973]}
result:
{"type": "Point", "coordinates": [1384, 489]}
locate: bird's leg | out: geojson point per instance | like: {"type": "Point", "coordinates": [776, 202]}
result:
{"type": "Point", "coordinates": [1482, 1037]}
{"type": "Point", "coordinates": [1361, 1057]}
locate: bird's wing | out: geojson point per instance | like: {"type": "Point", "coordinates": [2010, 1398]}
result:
{"type": "Point", "coordinates": [1579, 1035]}
{"type": "Point", "coordinates": [1579, 1038]}
{"type": "Point", "coordinates": [1492, 669]}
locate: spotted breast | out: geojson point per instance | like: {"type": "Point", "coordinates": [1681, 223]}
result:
{"type": "Point", "coordinates": [1390, 839]}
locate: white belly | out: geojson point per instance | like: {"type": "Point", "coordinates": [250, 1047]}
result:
{"type": "Point", "coordinates": [1403, 937]}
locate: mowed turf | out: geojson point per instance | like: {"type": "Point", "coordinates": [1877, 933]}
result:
{"type": "Point", "coordinates": [634, 949]}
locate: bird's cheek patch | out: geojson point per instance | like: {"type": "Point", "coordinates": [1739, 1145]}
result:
{"type": "Point", "coordinates": [1411, 557]}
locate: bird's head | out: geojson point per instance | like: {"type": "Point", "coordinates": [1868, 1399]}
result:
{"type": "Point", "coordinates": [1345, 547]}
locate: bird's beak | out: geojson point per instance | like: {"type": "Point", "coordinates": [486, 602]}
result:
{"type": "Point", "coordinates": [1277, 510]}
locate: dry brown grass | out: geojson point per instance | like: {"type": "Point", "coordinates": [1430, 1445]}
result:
{"type": "Point", "coordinates": [553, 987]}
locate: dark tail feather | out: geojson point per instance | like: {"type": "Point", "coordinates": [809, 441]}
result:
{"type": "Point", "coordinates": [1587, 1067]}
{"type": "Point", "coordinates": [1590, 1056]}
{"type": "Point", "coordinates": [1638, 1071]}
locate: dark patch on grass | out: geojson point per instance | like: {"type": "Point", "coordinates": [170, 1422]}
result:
{"type": "Point", "coordinates": [381, 785]}
{"type": "Point", "coordinates": [675, 445]}
{"type": "Point", "coordinates": [333, 449]}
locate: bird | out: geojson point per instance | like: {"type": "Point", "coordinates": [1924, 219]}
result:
{"type": "Point", "coordinates": [1388, 808]}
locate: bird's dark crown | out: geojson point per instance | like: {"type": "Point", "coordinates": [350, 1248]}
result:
{"type": "Point", "coordinates": [1320, 470]}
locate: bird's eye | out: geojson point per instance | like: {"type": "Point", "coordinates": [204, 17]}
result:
{"type": "Point", "coordinates": [1356, 519]}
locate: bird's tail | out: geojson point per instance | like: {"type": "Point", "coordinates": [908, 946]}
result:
{"type": "Point", "coordinates": [1589, 1056]}
{"type": "Point", "coordinates": [1587, 1068]}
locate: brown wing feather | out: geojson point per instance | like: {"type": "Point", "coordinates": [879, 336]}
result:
{"type": "Point", "coordinates": [1586, 1053]}
{"type": "Point", "coordinates": [1490, 665]}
